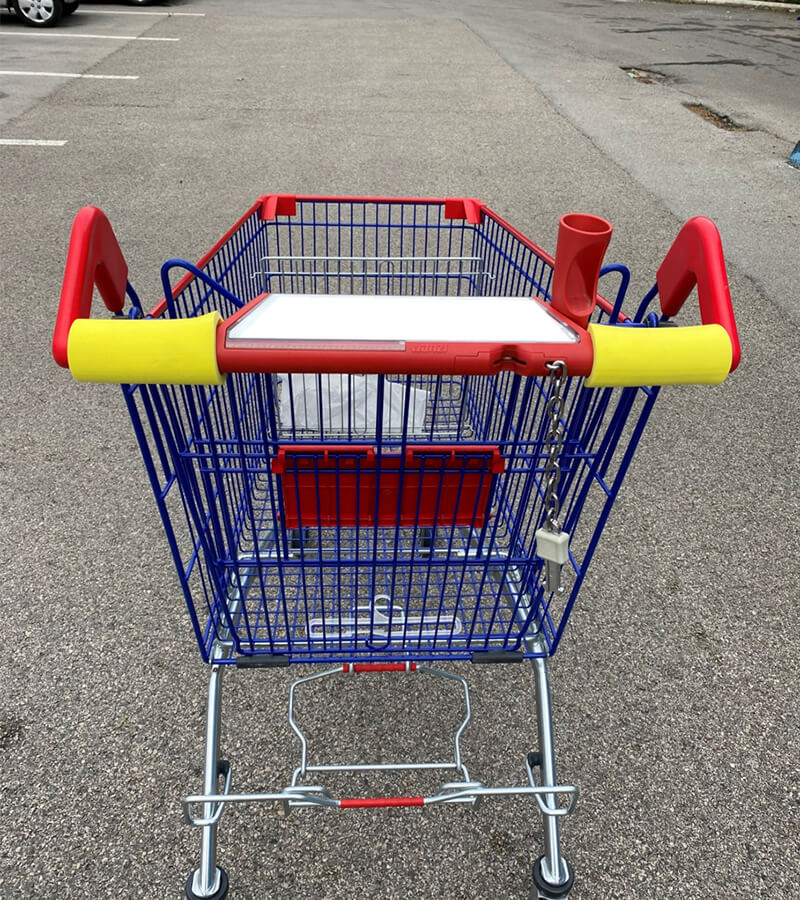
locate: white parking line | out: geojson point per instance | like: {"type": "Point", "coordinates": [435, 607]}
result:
{"type": "Point", "coordinates": [139, 12]}
{"type": "Point", "coordinates": [70, 34]}
{"type": "Point", "coordinates": [68, 75]}
{"type": "Point", "coordinates": [11, 142]}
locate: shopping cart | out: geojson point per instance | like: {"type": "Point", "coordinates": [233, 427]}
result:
{"type": "Point", "coordinates": [383, 434]}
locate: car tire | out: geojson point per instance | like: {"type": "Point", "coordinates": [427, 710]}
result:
{"type": "Point", "coordinates": [69, 8]}
{"type": "Point", "coordinates": [39, 13]}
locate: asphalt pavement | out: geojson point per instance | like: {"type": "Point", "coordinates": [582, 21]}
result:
{"type": "Point", "coordinates": [675, 688]}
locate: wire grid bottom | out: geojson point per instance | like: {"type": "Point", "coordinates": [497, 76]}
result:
{"type": "Point", "coordinates": [377, 591]}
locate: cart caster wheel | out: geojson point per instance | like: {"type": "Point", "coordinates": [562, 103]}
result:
{"type": "Point", "coordinates": [543, 890]}
{"type": "Point", "coordinates": [220, 892]}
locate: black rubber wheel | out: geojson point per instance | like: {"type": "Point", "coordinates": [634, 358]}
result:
{"type": "Point", "coordinates": [218, 895]}
{"type": "Point", "coordinates": [69, 8]}
{"type": "Point", "coordinates": [551, 891]}
{"type": "Point", "coordinates": [39, 13]}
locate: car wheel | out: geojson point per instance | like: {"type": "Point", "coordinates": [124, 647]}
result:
{"type": "Point", "coordinates": [39, 13]}
{"type": "Point", "coordinates": [69, 8]}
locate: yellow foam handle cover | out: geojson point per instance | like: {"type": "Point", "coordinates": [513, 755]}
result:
{"type": "Point", "coordinates": [628, 357]}
{"type": "Point", "coordinates": [145, 351]}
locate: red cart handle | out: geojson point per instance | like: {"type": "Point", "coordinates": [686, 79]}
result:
{"type": "Point", "coordinates": [94, 259]}
{"type": "Point", "coordinates": [695, 258]}
{"type": "Point", "coordinates": [186, 351]}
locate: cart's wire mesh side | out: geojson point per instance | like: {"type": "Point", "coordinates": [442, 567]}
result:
{"type": "Point", "coordinates": [231, 267]}
{"type": "Point", "coordinates": [331, 517]}
{"type": "Point", "coordinates": [372, 248]}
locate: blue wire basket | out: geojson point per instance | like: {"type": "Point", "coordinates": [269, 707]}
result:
{"type": "Point", "coordinates": [327, 518]}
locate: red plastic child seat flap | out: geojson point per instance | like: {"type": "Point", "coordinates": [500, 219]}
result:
{"type": "Point", "coordinates": [345, 485]}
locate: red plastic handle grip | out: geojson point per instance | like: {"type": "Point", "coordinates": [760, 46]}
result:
{"type": "Point", "coordinates": [94, 259]}
{"type": "Point", "coordinates": [696, 258]}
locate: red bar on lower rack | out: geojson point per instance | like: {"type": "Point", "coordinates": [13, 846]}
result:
{"type": "Point", "coordinates": [378, 667]}
{"type": "Point", "coordinates": [378, 802]}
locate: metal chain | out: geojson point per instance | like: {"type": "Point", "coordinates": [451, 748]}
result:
{"type": "Point", "coordinates": [554, 442]}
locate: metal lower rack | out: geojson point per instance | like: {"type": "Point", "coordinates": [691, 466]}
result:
{"type": "Point", "coordinates": [301, 794]}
